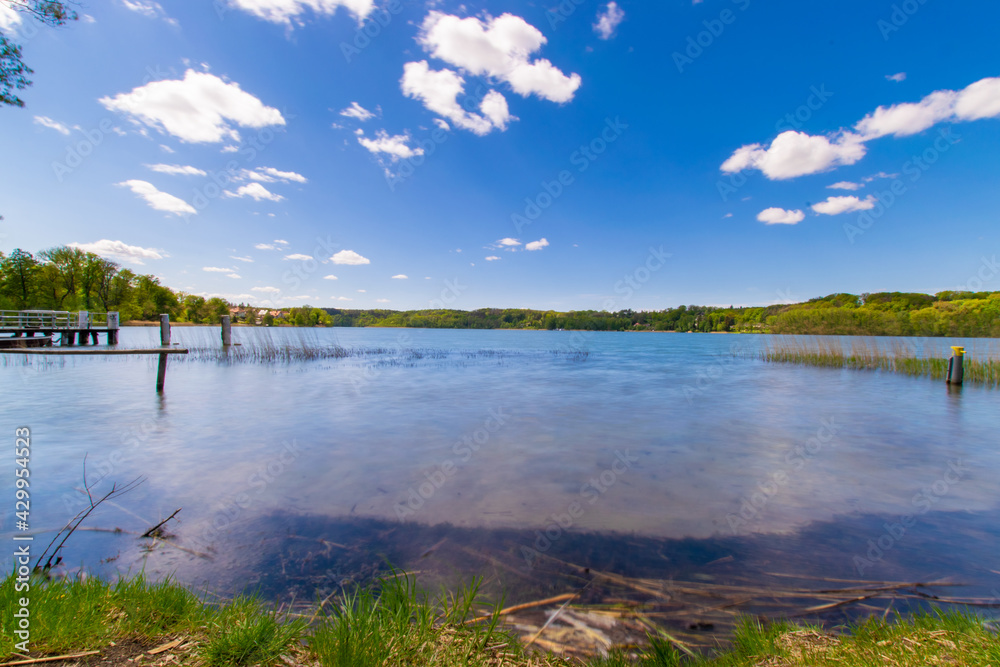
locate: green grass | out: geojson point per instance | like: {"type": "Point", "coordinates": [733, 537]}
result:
{"type": "Point", "coordinates": [865, 354]}
{"type": "Point", "coordinates": [398, 624]}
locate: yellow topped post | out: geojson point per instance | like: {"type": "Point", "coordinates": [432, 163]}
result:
{"type": "Point", "coordinates": [956, 371]}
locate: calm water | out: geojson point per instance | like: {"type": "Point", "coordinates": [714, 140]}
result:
{"type": "Point", "coordinates": [641, 439]}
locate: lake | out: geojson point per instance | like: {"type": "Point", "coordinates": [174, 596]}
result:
{"type": "Point", "coordinates": [452, 453]}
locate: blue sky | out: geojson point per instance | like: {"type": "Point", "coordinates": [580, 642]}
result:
{"type": "Point", "coordinates": [573, 155]}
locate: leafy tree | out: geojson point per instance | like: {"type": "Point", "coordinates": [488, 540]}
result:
{"type": "Point", "coordinates": [13, 72]}
{"type": "Point", "coordinates": [19, 279]}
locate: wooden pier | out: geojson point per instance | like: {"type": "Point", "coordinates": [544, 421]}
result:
{"type": "Point", "coordinates": [47, 323]}
{"type": "Point", "coordinates": [73, 328]}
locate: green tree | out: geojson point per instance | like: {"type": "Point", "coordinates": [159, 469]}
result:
{"type": "Point", "coordinates": [64, 265]}
{"type": "Point", "coordinates": [19, 278]}
{"type": "Point", "coordinates": [13, 72]}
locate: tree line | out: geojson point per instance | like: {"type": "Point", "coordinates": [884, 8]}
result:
{"type": "Point", "coordinates": [67, 278]}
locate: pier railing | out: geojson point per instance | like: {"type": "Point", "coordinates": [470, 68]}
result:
{"type": "Point", "coordinates": [57, 319]}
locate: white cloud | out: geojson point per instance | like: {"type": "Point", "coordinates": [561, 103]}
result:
{"type": "Point", "coordinates": [845, 185]}
{"type": "Point", "coordinates": [499, 48]}
{"type": "Point", "coordinates": [979, 100]}
{"type": "Point", "coordinates": [216, 269]}
{"type": "Point", "coordinates": [793, 154]}
{"type": "Point", "coordinates": [285, 11]}
{"type": "Point", "coordinates": [494, 107]}
{"type": "Point", "coordinates": [492, 258]}
{"type": "Point", "coordinates": [898, 78]}
{"type": "Point", "coordinates": [508, 242]}
{"type": "Point", "coordinates": [254, 190]}
{"type": "Point", "coordinates": [537, 245]}
{"type": "Point", "coordinates": [177, 169]}
{"type": "Point", "coordinates": [233, 275]}
{"type": "Point", "coordinates": [342, 298]}
{"type": "Point", "coordinates": [161, 201]}
{"type": "Point", "coordinates": [901, 120]}
{"type": "Point", "coordinates": [163, 147]}
{"type": "Point", "coordinates": [381, 300]}
{"type": "Point", "coordinates": [265, 246]}
{"type": "Point", "coordinates": [357, 111]}
{"type": "Point", "coordinates": [400, 276]}
{"type": "Point", "coordinates": [200, 108]}
{"type": "Point", "coordinates": [838, 205]}
{"type": "Point", "coordinates": [441, 123]}
{"type": "Point", "coordinates": [350, 258]}
{"type": "Point", "coordinates": [149, 9]}
{"type": "Point", "coordinates": [45, 121]}
{"type": "Point", "coordinates": [779, 216]}
{"type": "Point", "coordinates": [271, 175]}
{"type": "Point", "coordinates": [881, 174]}
{"type": "Point", "coordinates": [230, 149]}
{"type": "Point", "coordinates": [362, 291]}
{"type": "Point", "coordinates": [266, 290]}
{"type": "Point", "coordinates": [439, 91]}
{"type": "Point", "coordinates": [281, 241]}
{"type": "Point", "coordinates": [330, 277]}
{"type": "Point", "coordinates": [298, 257]}
{"type": "Point", "coordinates": [608, 20]}
{"type": "Point", "coordinates": [119, 250]}
{"type": "Point", "coordinates": [395, 146]}
{"type": "Point", "coordinates": [241, 259]}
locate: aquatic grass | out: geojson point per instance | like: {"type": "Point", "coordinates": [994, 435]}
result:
{"type": "Point", "coordinates": [982, 365]}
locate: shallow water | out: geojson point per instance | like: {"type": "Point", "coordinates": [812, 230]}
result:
{"type": "Point", "coordinates": [673, 441]}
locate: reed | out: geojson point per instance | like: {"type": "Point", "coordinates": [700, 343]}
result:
{"type": "Point", "coordinates": [982, 362]}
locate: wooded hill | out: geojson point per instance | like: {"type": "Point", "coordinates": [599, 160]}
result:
{"type": "Point", "coordinates": [66, 278]}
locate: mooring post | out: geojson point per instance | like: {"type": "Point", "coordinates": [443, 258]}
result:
{"type": "Point", "coordinates": [112, 328]}
{"type": "Point", "coordinates": [956, 370]}
{"type": "Point", "coordinates": [227, 332]}
{"type": "Point", "coordinates": [161, 368]}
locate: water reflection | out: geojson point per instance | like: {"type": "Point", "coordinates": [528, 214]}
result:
{"type": "Point", "coordinates": [636, 444]}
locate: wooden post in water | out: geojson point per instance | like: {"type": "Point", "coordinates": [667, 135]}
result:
{"type": "Point", "coordinates": [112, 328]}
{"type": "Point", "coordinates": [161, 368]}
{"type": "Point", "coordinates": [227, 332]}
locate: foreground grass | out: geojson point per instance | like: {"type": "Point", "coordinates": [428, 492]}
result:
{"type": "Point", "coordinates": [400, 625]}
